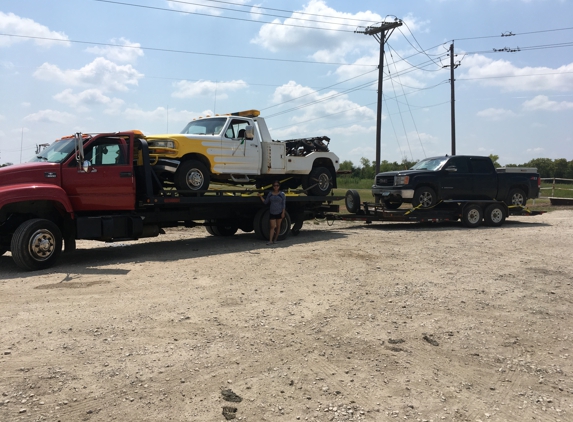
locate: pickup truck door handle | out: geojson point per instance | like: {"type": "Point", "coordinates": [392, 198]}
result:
{"type": "Point", "coordinates": [125, 174]}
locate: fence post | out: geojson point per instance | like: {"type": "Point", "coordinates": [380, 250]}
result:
{"type": "Point", "coordinates": [553, 188]}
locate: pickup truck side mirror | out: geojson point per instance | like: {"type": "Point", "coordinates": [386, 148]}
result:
{"type": "Point", "coordinates": [249, 132]}
{"type": "Point", "coordinates": [451, 169]}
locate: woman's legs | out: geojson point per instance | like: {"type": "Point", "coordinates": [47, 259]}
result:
{"type": "Point", "coordinates": [273, 224]}
{"type": "Point", "coordinates": [277, 229]}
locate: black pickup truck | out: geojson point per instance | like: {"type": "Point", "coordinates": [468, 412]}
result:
{"type": "Point", "coordinates": [458, 177]}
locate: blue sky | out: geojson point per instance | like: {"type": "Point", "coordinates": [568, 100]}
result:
{"type": "Point", "coordinates": [103, 66]}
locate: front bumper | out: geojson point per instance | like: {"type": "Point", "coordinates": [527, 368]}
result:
{"type": "Point", "coordinates": [392, 192]}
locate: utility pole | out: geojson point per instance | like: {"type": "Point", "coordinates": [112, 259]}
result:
{"type": "Point", "coordinates": [381, 34]}
{"type": "Point", "coordinates": [452, 67]}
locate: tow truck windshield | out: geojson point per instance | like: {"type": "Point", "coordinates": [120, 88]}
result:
{"type": "Point", "coordinates": [58, 152]}
{"type": "Point", "coordinates": [205, 126]}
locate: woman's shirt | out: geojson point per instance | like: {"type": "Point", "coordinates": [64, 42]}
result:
{"type": "Point", "coordinates": [278, 202]}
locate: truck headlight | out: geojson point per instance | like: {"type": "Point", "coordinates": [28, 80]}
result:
{"type": "Point", "coordinates": [401, 180]}
{"type": "Point", "coordinates": [162, 144]}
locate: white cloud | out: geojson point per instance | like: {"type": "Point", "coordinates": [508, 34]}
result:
{"type": "Point", "coordinates": [187, 89]}
{"type": "Point", "coordinates": [503, 74]}
{"type": "Point", "coordinates": [162, 114]}
{"type": "Point", "coordinates": [49, 116]}
{"type": "Point", "coordinates": [102, 73]}
{"type": "Point", "coordinates": [496, 114]}
{"type": "Point", "coordinates": [536, 151]}
{"type": "Point", "coordinates": [256, 12]}
{"type": "Point", "coordinates": [203, 6]}
{"type": "Point", "coordinates": [542, 102]}
{"type": "Point", "coordinates": [128, 53]}
{"type": "Point", "coordinates": [25, 27]}
{"type": "Point", "coordinates": [89, 97]}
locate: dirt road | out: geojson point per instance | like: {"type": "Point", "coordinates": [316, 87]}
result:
{"type": "Point", "coordinates": [344, 322]}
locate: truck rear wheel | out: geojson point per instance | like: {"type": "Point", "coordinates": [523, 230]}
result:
{"type": "Point", "coordinates": [262, 226]}
{"type": "Point", "coordinates": [319, 182]}
{"type": "Point", "coordinates": [516, 197]}
{"type": "Point", "coordinates": [224, 228]}
{"type": "Point", "coordinates": [352, 201]}
{"type": "Point", "coordinates": [494, 215]}
{"type": "Point", "coordinates": [36, 244]}
{"type": "Point", "coordinates": [192, 175]}
{"type": "Point", "coordinates": [472, 215]}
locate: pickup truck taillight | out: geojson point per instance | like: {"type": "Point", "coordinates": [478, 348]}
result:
{"type": "Point", "coordinates": [538, 181]}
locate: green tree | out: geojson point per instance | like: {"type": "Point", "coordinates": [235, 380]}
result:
{"type": "Point", "coordinates": [494, 158]}
{"type": "Point", "coordinates": [368, 169]}
{"type": "Point", "coordinates": [560, 168]}
{"type": "Point", "coordinates": [545, 166]}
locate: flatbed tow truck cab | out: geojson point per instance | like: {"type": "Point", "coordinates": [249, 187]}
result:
{"type": "Point", "coordinates": [102, 187]}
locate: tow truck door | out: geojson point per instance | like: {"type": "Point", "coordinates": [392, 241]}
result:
{"type": "Point", "coordinates": [241, 156]}
{"type": "Point", "coordinates": [109, 182]}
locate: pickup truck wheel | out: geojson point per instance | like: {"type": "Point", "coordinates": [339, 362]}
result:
{"type": "Point", "coordinates": [192, 175]}
{"type": "Point", "coordinates": [472, 215]}
{"type": "Point", "coordinates": [494, 215]}
{"type": "Point", "coordinates": [424, 196]}
{"type": "Point", "coordinates": [36, 244]}
{"type": "Point", "coordinates": [352, 201]}
{"type": "Point", "coordinates": [516, 197]}
{"type": "Point", "coordinates": [392, 204]}
{"type": "Point", "coordinates": [319, 181]}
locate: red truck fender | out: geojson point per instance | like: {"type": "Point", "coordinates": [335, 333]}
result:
{"type": "Point", "coordinates": [38, 192]}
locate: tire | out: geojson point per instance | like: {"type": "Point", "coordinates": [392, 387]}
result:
{"type": "Point", "coordinates": [36, 244]}
{"type": "Point", "coordinates": [262, 227]}
{"type": "Point", "coordinates": [319, 182]}
{"type": "Point", "coordinates": [246, 225]}
{"type": "Point", "coordinates": [3, 250]}
{"type": "Point", "coordinates": [192, 175]}
{"type": "Point", "coordinates": [352, 201]}
{"type": "Point", "coordinates": [224, 228]}
{"type": "Point", "coordinates": [516, 197]}
{"type": "Point", "coordinates": [424, 196]}
{"type": "Point", "coordinates": [494, 215]}
{"type": "Point", "coordinates": [472, 215]}
{"type": "Point", "coordinates": [210, 230]}
{"type": "Point", "coordinates": [392, 204]}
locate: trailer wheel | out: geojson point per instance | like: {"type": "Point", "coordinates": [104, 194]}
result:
{"type": "Point", "coordinates": [424, 196]}
{"type": "Point", "coordinates": [262, 226]}
{"type": "Point", "coordinates": [224, 228]}
{"type": "Point", "coordinates": [36, 244]}
{"type": "Point", "coordinates": [320, 178]}
{"type": "Point", "coordinates": [472, 215]}
{"type": "Point", "coordinates": [392, 204]}
{"type": "Point", "coordinates": [191, 175]}
{"type": "Point", "coordinates": [516, 197]}
{"type": "Point", "coordinates": [352, 201]}
{"type": "Point", "coordinates": [494, 215]}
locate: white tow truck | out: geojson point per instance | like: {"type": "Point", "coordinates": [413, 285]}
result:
{"type": "Point", "coordinates": [237, 148]}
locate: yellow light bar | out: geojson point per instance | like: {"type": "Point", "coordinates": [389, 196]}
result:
{"type": "Point", "coordinates": [247, 113]}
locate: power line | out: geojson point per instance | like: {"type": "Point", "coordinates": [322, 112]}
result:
{"type": "Point", "coordinates": [167, 50]}
{"type": "Point", "coordinates": [225, 17]}
{"type": "Point", "coordinates": [511, 34]}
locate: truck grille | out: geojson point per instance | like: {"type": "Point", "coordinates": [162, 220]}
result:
{"type": "Point", "coordinates": [384, 180]}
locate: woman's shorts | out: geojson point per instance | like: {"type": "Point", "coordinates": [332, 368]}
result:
{"type": "Point", "coordinates": [275, 216]}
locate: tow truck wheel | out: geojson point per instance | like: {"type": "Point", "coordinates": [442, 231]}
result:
{"type": "Point", "coordinates": [472, 215]}
{"type": "Point", "coordinates": [3, 250]}
{"type": "Point", "coordinates": [320, 178]}
{"type": "Point", "coordinates": [494, 215]}
{"type": "Point", "coordinates": [224, 228]}
{"type": "Point", "coordinates": [36, 244]}
{"type": "Point", "coordinates": [516, 197]}
{"type": "Point", "coordinates": [262, 226]}
{"type": "Point", "coordinates": [352, 201]}
{"type": "Point", "coordinates": [424, 196]}
{"type": "Point", "coordinates": [191, 175]}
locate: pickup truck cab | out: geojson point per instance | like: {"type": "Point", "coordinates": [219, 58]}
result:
{"type": "Point", "coordinates": [238, 149]}
{"type": "Point", "coordinates": [456, 177]}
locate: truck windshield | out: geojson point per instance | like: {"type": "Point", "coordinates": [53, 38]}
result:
{"type": "Point", "coordinates": [432, 164]}
{"type": "Point", "coordinates": [58, 152]}
{"type": "Point", "coordinates": [205, 126]}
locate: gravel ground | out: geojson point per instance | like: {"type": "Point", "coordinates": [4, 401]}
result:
{"type": "Point", "coordinates": [342, 323]}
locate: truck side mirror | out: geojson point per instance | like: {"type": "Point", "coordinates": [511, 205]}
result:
{"type": "Point", "coordinates": [451, 169]}
{"type": "Point", "coordinates": [249, 132]}
{"type": "Point", "coordinates": [87, 167]}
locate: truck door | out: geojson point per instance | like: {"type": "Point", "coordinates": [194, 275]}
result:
{"type": "Point", "coordinates": [484, 178]}
{"type": "Point", "coordinates": [109, 184]}
{"type": "Point", "coordinates": [456, 182]}
{"type": "Point", "coordinates": [240, 155]}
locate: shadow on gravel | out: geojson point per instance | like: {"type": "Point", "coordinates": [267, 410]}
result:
{"type": "Point", "coordinates": [87, 261]}
{"type": "Point", "coordinates": [446, 225]}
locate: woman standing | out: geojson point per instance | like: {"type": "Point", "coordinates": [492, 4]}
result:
{"type": "Point", "coordinates": [277, 200]}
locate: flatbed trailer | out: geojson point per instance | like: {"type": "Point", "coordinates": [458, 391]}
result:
{"type": "Point", "coordinates": [471, 212]}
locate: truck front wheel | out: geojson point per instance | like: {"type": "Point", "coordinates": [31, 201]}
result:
{"type": "Point", "coordinates": [36, 244]}
{"type": "Point", "coordinates": [192, 175]}
{"type": "Point", "coordinates": [424, 196]}
{"type": "Point", "coordinates": [516, 197]}
{"type": "Point", "coordinates": [319, 182]}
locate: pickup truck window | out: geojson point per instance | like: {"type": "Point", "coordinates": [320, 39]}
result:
{"type": "Point", "coordinates": [432, 164]}
{"type": "Point", "coordinates": [460, 163]}
{"type": "Point", "coordinates": [57, 152]}
{"type": "Point", "coordinates": [481, 166]}
{"type": "Point", "coordinates": [205, 127]}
